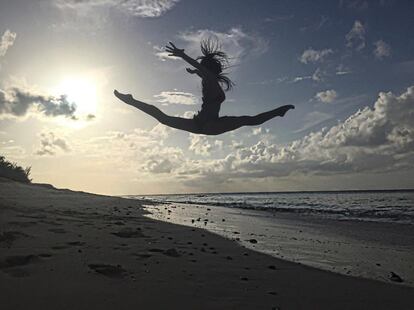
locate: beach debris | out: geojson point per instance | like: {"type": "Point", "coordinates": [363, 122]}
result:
{"type": "Point", "coordinates": [252, 240]}
{"type": "Point", "coordinates": [111, 271]}
{"type": "Point", "coordinates": [395, 277]}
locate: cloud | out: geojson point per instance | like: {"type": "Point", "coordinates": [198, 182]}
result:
{"type": "Point", "coordinates": [326, 96]}
{"type": "Point", "coordinates": [235, 42]}
{"type": "Point", "coordinates": [342, 70]}
{"type": "Point", "coordinates": [354, 4]}
{"type": "Point", "coordinates": [140, 8]}
{"type": "Point", "coordinates": [6, 41]}
{"type": "Point", "coordinates": [311, 56]}
{"type": "Point", "coordinates": [18, 102]}
{"type": "Point", "coordinates": [176, 97]}
{"type": "Point", "coordinates": [356, 36]}
{"type": "Point", "coordinates": [382, 50]}
{"type": "Point", "coordinates": [147, 8]}
{"type": "Point", "coordinates": [50, 144]}
{"type": "Point", "coordinates": [317, 76]}
{"type": "Point", "coordinates": [200, 145]}
{"type": "Point", "coordinates": [377, 139]}
{"type": "Point", "coordinates": [313, 119]}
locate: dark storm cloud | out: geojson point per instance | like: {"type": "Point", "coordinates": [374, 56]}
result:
{"type": "Point", "coordinates": [18, 102]}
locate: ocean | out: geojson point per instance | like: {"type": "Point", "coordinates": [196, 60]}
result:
{"type": "Point", "coordinates": [373, 206]}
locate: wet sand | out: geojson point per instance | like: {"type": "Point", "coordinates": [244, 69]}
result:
{"type": "Point", "coordinates": [354, 248]}
{"type": "Point", "coordinates": [70, 250]}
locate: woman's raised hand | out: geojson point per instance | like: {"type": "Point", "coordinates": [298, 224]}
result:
{"type": "Point", "coordinates": [174, 51]}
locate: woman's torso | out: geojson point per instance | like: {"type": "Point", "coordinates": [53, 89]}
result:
{"type": "Point", "coordinates": [213, 97]}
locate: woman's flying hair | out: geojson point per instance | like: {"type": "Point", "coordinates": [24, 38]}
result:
{"type": "Point", "coordinates": [215, 60]}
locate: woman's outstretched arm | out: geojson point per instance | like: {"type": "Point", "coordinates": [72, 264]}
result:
{"type": "Point", "coordinates": [177, 52]}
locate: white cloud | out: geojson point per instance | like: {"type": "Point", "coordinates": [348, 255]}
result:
{"type": "Point", "coordinates": [236, 43]}
{"type": "Point", "coordinates": [50, 144]}
{"type": "Point", "coordinates": [313, 119]}
{"type": "Point", "coordinates": [141, 8]}
{"type": "Point", "coordinates": [311, 56]}
{"type": "Point", "coordinates": [356, 36]}
{"type": "Point", "coordinates": [200, 145]}
{"type": "Point", "coordinates": [317, 76]}
{"type": "Point", "coordinates": [176, 97]}
{"type": "Point", "coordinates": [326, 96]}
{"type": "Point", "coordinates": [147, 8]}
{"type": "Point", "coordinates": [257, 131]}
{"type": "Point", "coordinates": [382, 49]}
{"type": "Point", "coordinates": [6, 41]}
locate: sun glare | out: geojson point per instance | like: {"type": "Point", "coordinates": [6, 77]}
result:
{"type": "Point", "coordinates": [81, 91]}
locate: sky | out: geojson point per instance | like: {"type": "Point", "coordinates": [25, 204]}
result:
{"type": "Point", "coordinates": [346, 65]}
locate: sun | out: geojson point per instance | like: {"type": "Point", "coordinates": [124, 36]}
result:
{"type": "Point", "coordinates": [82, 91]}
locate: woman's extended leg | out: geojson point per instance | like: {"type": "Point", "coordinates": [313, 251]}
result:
{"type": "Point", "coordinates": [229, 123]}
{"type": "Point", "coordinates": [171, 121]}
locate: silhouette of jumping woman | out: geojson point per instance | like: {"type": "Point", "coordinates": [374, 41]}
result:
{"type": "Point", "coordinates": [209, 67]}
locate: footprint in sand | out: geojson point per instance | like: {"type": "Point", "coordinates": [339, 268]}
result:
{"type": "Point", "coordinates": [11, 265]}
{"type": "Point", "coordinates": [129, 233]}
{"type": "Point", "coordinates": [57, 230]}
{"type": "Point", "coordinates": [18, 260]}
{"type": "Point", "coordinates": [142, 255]}
{"type": "Point", "coordinates": [76, 243]}
{"type": "Point", "coordinates": [59, 247]}
{"type": "Point", "coordinates": [111, 271]}
{"type": "Point", "coordinates": [23, 224]}
{"type": "Point", "coordinates": [8, 237]}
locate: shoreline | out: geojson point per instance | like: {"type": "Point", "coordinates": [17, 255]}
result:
{"type": "Point", "coordinates": [71, 250]}
{"type": "Point", "coordinates": [360, 249]}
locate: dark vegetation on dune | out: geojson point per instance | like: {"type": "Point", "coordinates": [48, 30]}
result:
{"type": "Point", "coordinates": [13, 171]}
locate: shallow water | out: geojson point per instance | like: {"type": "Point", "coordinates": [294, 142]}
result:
{"type": "Point", "coordinates": [372, 206]}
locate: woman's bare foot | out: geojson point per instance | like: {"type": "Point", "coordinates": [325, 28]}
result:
{"type": "Point", "coordinates": [127, 98]}
{"type": "Point", "coordinates": [284, 109]}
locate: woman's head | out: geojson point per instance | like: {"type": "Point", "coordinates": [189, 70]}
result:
{"type": "Point", "coordinates": [215, 60]}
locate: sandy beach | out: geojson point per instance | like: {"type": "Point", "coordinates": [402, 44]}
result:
{"type": "Point", "coordinates": [71, 250]}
